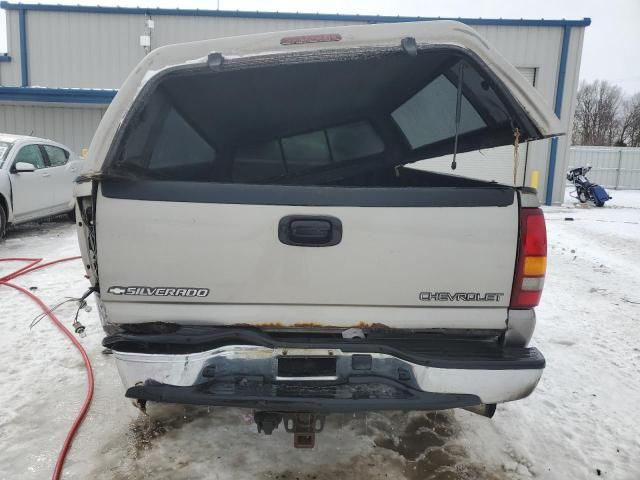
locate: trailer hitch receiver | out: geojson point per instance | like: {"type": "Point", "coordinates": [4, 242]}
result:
{"type": "Point", "coordinates": [303, 425]}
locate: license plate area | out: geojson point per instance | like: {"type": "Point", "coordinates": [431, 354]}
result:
{"type": "Point", "coordinates": [307, 368]}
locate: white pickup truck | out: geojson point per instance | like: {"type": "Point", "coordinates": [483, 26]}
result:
{"type": "Point", "coordinates": [257, 236]}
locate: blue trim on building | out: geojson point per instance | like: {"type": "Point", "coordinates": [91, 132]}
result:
{"type": "Point", "coordinates": [56, 95]}
{"type": "Point", "coordinates": [287, 15]}
{"type": "Point", "coordinates": [24, 62]}
{"type": "Point", "coordinates": [5, 57]}
{"type": "Point", "coordinates": [557, 108]}
{"type": "Point", "coordinates": [562, 70]}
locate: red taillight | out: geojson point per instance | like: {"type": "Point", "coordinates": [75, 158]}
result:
{"type": "Point", "coordinates": [531, 264]}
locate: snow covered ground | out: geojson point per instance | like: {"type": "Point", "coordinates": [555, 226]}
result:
{"type": "Point", "coordinates": [581, 422]}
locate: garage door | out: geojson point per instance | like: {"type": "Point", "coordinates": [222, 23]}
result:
{"type": "Point", "coordinates": [492, 164]}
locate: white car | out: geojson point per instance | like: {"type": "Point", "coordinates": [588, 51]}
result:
{"type": "Point", "coordinates": [36, 179]}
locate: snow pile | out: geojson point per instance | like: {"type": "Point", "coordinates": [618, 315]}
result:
{"type": "Point", "coordinates": [581, 422]}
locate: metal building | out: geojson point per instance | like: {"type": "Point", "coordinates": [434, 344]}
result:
{"type": "Point", "coordinates": [65, 63]}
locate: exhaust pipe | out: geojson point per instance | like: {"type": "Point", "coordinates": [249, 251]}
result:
{"type": "Point", "coordinates": [484, 409]}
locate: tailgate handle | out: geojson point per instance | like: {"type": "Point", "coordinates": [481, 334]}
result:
{"type": "Point", "coordinates": [310, 231]}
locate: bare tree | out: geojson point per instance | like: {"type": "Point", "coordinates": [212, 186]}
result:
{"type": "Point", "coordinates": [596, 119]}
{"type": "Point", "coordinates": [629, 123]}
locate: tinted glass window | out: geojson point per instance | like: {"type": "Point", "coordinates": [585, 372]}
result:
{"type": "Point", "coordinates": [355, 140]}
{"type": "Point", "coordinates": [305, 151]}
{"type": "Point", "coordinates": [179, 145]}
{"type": "Point", "coordinates": [57, 156]}
{"type": "Point", "coordinates": [205, 126]}
{"type": "Point", "coordinates": [30, 154]}
{"type": "Point", "coordinates": [258, 162]}
{"type": "Point", "coordinates": [429, 116]}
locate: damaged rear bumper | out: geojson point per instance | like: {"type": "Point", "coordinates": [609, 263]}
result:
{"type": "Point", "coordinates": [357, 393]}
{"type": "Point", "coordinates": [255, 370]}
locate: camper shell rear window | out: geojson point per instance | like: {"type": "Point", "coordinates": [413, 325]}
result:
{"type": "Point", "coordinates": [314, 121]}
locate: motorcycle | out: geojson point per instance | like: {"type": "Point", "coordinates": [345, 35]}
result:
{"type": "Point", "coordinates": [585, 190]}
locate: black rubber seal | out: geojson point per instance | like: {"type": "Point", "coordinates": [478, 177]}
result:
{"type": "Point", "coordinates": [245, 194]}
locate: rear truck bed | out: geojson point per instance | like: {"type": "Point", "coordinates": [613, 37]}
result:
{"type": "Point", "coordinates": [259, 236]}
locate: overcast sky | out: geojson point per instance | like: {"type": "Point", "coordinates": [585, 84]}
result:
{"type": "Point", "coordinates": [611, 46]}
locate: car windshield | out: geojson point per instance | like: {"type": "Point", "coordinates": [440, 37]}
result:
{"type": "Point", "coordinates": [4, 151]}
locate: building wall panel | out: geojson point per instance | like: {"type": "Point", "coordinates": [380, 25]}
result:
{"type": "Point", "coordinates": [71, 125]}
{"type": "Point", "coordinates": [537, 47]}
{"type": "Point", "coordinates": [86, 50]}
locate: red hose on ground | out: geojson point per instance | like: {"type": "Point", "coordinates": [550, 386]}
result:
{"type": "Point", "coordinates": [20, 271]}
{"type": "Point", "coordinates": [34, 264]}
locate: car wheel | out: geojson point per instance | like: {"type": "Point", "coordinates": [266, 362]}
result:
{"type": "Point", "coordinates": [3, 222]}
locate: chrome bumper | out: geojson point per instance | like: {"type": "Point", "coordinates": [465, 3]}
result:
{"type": "Point", "coordinates": [237, 363]}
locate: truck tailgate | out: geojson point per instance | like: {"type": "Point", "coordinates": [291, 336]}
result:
{"type": "Point", "coordinates": [235, 269]}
